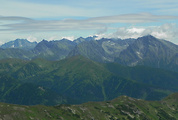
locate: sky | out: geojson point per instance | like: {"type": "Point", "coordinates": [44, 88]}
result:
{"type": "Point", "coordinates": [36, 20]}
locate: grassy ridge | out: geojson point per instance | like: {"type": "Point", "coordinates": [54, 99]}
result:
{"type": "Point", "coordinates": [81, 80]}
{"type": "Point", "coordinates": [13, 91]}
{"type": "Point", "coordinates": [85, 80]}
{"type": "Point", "coordinates": [121, 108]}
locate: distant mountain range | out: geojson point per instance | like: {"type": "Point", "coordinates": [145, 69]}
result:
{"type": "Point", "coordinates": [121, 108]}
{"type": "Point", "coordinates": [146, 50]}
{"type": "Point", "coordinates": [53, 50]}
{"type": "Point", "coordinates": [150, 51]}
{"type": "Point", "coordinates": [20, 43]}
{"type": "Point", "coordinates": [103, 50]}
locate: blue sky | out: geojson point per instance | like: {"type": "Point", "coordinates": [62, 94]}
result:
{"type": "Point", "coordinates": [43, 19]}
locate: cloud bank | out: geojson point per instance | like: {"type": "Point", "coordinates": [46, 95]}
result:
{"type": "Point", "coordinates": [166, 31]}
{"type": "Point", "coordinates": [23, 25]}
{"type": "Point", "coordinates": [27, 24]}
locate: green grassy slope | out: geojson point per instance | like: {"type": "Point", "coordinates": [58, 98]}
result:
{"type": "Point", "coordinates": [122, 108]}
{"type": "Point", "coordinates": [150, 76]}
{"type": "Point", "coordinates": [83, 80]}
{"type": "Point", "coordinates": [13, 91]}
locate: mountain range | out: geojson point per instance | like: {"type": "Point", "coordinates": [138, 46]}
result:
{"type": "Point", "coordinates": [19, 43]}
{"type": "Point", "coordinates": [61, 72]}
{"type": "Point", "coordinates": [146, 50]}
{"type": "Point", "coordinates": [121, 108]}
{"type": "Point", "coordinates": [78, 79]}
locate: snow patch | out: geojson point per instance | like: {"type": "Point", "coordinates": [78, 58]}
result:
{"type": "Point", "coordinates": [139, 55]}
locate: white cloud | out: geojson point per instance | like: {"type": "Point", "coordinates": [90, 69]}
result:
{"type": "Point", "coordinates": [31, 39]}
{"type": "Point", "coordinates": [132, 18]}
{"type": "Point", "coordinates": [95, 23]}
{"type": "Point", "coordinates": [69, 38]}
{"type": "Point", "coordinates": [125, 32]}
{"type": "Point", "coordinates": [166, 31]}
{"type": "Point", "coordinates": [15, 27]}
{"type": "Point", "coordinates": [135, 30]}
{"type": "Point", "coordinates": [53, 38]}
{"type": "Point", "coordinates": [52, 25]}
{"type": "Point", "coordinates": [59, 38]}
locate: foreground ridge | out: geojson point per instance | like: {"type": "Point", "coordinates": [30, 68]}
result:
{"type": "Point", "coordinates": [122, 108]}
